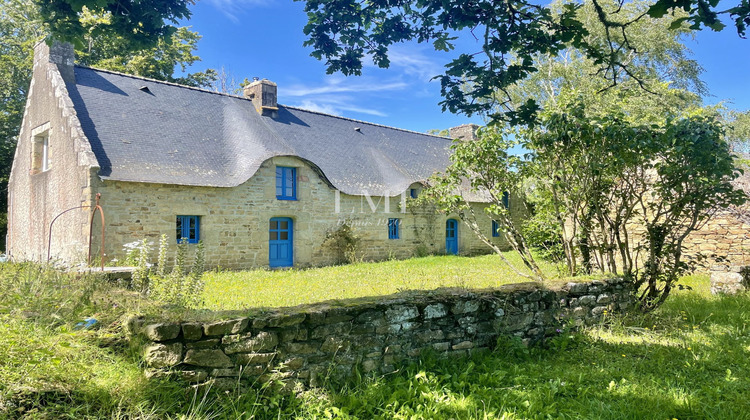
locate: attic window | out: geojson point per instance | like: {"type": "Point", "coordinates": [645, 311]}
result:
{"type": "Point", "coordinates": [40, 154]}
{"type": "Point", "coordinates": [286, 183]}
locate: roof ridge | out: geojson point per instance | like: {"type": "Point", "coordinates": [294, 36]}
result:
{"type": "Point", "coordinates": [133, 76]}
{"type": "Point", "coordinates": [164, 82]}
{"type": "Point", "coordinates": [366, 122]}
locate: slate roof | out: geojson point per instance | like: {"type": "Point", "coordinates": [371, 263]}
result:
{"type": "Point", "coordinates": [174, 134]}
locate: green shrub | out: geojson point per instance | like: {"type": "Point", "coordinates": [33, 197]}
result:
{"type": "Point", "coordinates": [344, 241]}
{"type": "Point", "coordinates": [544, 237]}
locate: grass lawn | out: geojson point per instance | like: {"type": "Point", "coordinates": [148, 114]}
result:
{"type": "Point", "coordinates": [688, 360]}
{"type": "Point", "coordinates": [265, 288]}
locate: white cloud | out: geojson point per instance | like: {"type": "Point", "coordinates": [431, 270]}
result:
{"type": "Point", "coordinates": [336, 106]}
{"type": "Point", "coordinates": [414, 62]}
{"type": "Point", "coordinates": [339, 85]}
{"type": "Point", "coordinates": [233, 8]}
{"type": "Point", "coordinates": [331, 97]}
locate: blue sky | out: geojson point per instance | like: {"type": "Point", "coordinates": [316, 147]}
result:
{"type": "Point", "coordinates": [263, 38]}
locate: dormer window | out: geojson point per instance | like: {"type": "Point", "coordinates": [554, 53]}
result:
{"type": "Point", "coordinates": [286, 183]}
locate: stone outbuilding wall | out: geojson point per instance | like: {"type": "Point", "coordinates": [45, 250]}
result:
{"type": "Point", "coordinates": [307, 343]}
{"type": "Point", "coordinates": [723, 243]}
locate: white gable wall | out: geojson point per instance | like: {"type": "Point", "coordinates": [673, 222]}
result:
{"type": "Point", "coordinates": [37, 196]}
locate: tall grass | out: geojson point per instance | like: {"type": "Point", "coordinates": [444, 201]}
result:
{"type": "Point", "coordinates": [687, 360]}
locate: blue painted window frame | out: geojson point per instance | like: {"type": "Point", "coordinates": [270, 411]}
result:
{"type": "Point", "coordinates": [413, 193]}
{"type": "Point", "coordinates": [393, 228]}
{"type": "Point", "coordinates": [495, 229]}
{"type": "Point", "coordinates": [186, 229]}
{"type": "Point", "coordinates": [506, 199]}
{"type": "Point", "coordinates": [286, 183]}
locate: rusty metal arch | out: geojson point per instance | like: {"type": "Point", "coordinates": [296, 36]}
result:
{"type": "Point", "coordinates": [96, 207]}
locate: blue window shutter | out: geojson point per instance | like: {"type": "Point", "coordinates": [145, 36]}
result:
{"type": "Point", "coordinates": [506, 199]}
{"type": "Point", "coordinates": [495, 228]}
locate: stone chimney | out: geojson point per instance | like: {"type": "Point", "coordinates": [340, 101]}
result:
{"type": "Point", "coordinates": [60, 54]}
{"type": "Point", "coordinates": [464, 132]}
{"type": "Point", "coordinates": [263, 95]}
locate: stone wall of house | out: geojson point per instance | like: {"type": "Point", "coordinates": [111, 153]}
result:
{"type": "Point", "coordinates": [723, 243]}
{"type": "Point", "coordinates": [306, 343]}
{"type": "Point", "coordinates": [35, 196]}
{"type": "Point", "coordinates": [234, 222]}
{"type": "Point", "coordinates": [722, 248]}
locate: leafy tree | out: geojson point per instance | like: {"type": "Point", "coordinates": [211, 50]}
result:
{"type": "Point", "coordinates": [628, 194]}
{"type": "Point", "coordinates": [663, 64]}
{"type": "Point", "coordinates": [487, 168]}
{"type": "Point", "coordinates": [512, 33]}
{"type": "Point", "coordinates": [114, 52]}
{"type": "Point", "coordinates": [19, 31]}
{"type": "Point", "coordinates": [739, 130]}
{"type": "Point", "coordinates": [142, 22]}
{"type": "Point", "coordinates": [619, 176]}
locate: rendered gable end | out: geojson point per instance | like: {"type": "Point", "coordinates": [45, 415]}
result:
{"type": "Point", "coordinates": [44, 185]}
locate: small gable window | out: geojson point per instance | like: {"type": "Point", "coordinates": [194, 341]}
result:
{"type": "Point", "coordinates": [495, 229]}
{"type": "Point", "coordinates": [393, 228]}
{"type": "Point", "coordinates": [413, 193]}
{"type": "Point", "coordinates": [40, 157]}
{"type": "Point", "coordinates": [188, 229]}
{"type": "Point", "coordinates": [286, 183]}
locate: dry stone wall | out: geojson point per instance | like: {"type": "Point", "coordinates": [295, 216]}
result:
{"type": "Point", "coordinates": [307, 343]}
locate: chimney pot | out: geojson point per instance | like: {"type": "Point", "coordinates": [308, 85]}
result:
{"type": "Point", "coordinates": [263, 95]}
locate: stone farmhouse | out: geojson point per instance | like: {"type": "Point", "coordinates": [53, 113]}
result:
{"type": "Point", "coordinates": [259, 183]}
